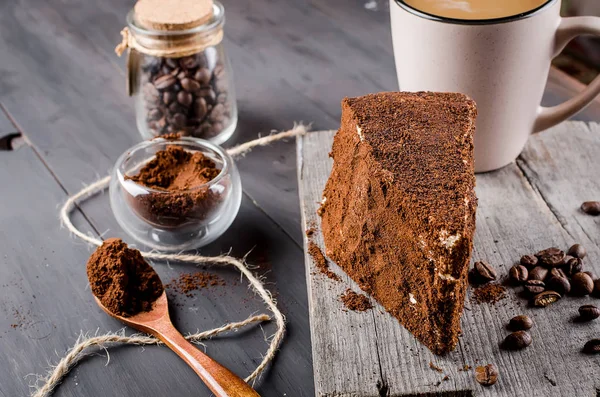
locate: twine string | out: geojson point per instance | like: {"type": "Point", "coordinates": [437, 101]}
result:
{"type": "Point", "coordinates": [84, 343]}
{"type": "Point", "coordinates": [176, 48]}
{"type": "Point", "coordinates": [74, 354]}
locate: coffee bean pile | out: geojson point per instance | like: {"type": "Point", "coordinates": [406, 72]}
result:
{"type": "Point", "coordinates": [551, 274]}
{"type": "Point", "coordinates": [546, 277]}
{"type": "Point", "coordinates": [184, 95]}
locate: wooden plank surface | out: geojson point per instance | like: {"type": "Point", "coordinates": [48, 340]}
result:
{"type": "Point", "coordinates": [527, 206]}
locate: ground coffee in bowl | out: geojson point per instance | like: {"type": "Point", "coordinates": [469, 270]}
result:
{"type": "Point", "coordinates": [175, 193]}
{"type": "Point", "coordinates": [178, 191]}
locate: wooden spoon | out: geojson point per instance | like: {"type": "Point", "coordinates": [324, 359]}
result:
{"type": "Point", "coordinates": [221, 381]}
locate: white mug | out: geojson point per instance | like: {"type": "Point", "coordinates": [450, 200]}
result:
{"type": "Point", "coordinates": [503, 64]}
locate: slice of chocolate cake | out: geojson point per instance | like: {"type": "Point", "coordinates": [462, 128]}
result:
{"type": "Point", "coordinates": [398, 210]}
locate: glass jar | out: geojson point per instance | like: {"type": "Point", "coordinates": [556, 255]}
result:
{"type": "Point", "coordinates": [179, 220]}
{"type": "Point", "coordinates": [182, 80]}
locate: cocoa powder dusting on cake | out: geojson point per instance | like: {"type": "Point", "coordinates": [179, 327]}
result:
{"type": "Point", "coordinates": [489, 293]}
{"type": "Point", "coordinates": [122, 280]}
{"type": "Point", "coordinates": [186, 283]}
{"type": "Point", "coordinates": [178, 176]}
{"type": "Point", "coordinates": [398, 210]}
{"type": "Point", "coordinates": [321, 261]}
{"type": "Point", "coordinates": [356, 302]}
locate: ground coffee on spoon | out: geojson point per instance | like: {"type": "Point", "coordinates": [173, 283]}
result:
{"type": "Point", "coordinates": [122, 280]}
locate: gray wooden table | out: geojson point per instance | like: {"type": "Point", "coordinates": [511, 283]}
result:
{"type": "Point", "coordinates": [62, 90]}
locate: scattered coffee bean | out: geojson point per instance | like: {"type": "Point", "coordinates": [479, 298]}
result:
{"type": "Point", "coordinates": [596, 291]}
{"type": "Point", "coordinates": [551, 257]}
{"type": "Point", "coordinates": [520, 323]}
{"type": "Point", "coordinates": [592, 346]}
{"type": "Point", "coordinates": [529, 261]}
{"type": "Point", "coordinates": [559, 284]}
{"type": "Point", "coordinates": [518, 274]}
{"type": "Point", "coordinates": [546, 298]}
{"type": "Point", "coordinates": [591, 207]}
{"type": "Point", "coordinates": [581, 284]}
{"type": "Point", "coordinates": [538, 273]}
{"type": "Point", "coordinates": [589, 312]}
{"type": "Point", "coordinates": [534, 287]}
{"type": "Point", "coordinates": [557, 272]}
{"type": "Point", "coordinates": [573, 266]}
{"type": "Point", "coordinates": [577, 251]}
{"type": "Point", "coordinates": [485, 272]}
{"type": "Point", "coordinates": [486, 375]}
{"type": "Point", "coordinates": [517, 340]}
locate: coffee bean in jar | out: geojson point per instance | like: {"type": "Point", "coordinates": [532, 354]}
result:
{"type": "Point", "coordinates": [178, 70]}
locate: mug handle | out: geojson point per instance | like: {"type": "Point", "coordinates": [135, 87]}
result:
{"type": "Point", "coordinates": [568, 29]}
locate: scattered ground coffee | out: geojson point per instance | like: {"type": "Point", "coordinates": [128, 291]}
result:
{"type": "Point", "coordinates": [356, 302]}
{"type": "Point", "coordinates": [121, 279]}
{"type": "Point", "coordinates": [178, 175]}
{"type": "Point", "coordinates": [321, 261]}
{"type": "Point", "coordinates": [187, 283]}
{"type": "Point", "coordinates": [489, 293]}
{"type": "Point", "coordinates": [435, 367]}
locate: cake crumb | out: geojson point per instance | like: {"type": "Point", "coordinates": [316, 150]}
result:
{"type": "Point", "coordinates": [356, 302]}
{"type": "Point", "coordinates": [489, 293]}
{"type": "Point", "coordinates": [465, 368]}
{"type": "Point", "coordinates": [434, 367]}
{"type": "Point", "coordinates": [321, 261]}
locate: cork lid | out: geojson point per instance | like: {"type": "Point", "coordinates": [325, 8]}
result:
{"type": "Point", "coordinates": [173, 14]}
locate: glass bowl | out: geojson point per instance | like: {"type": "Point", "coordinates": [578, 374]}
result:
{"type": "Point", "coordinates": [175, 220]}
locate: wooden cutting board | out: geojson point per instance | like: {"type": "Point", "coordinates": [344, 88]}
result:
{"type": "Point", "coordinates": [525, 207]}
